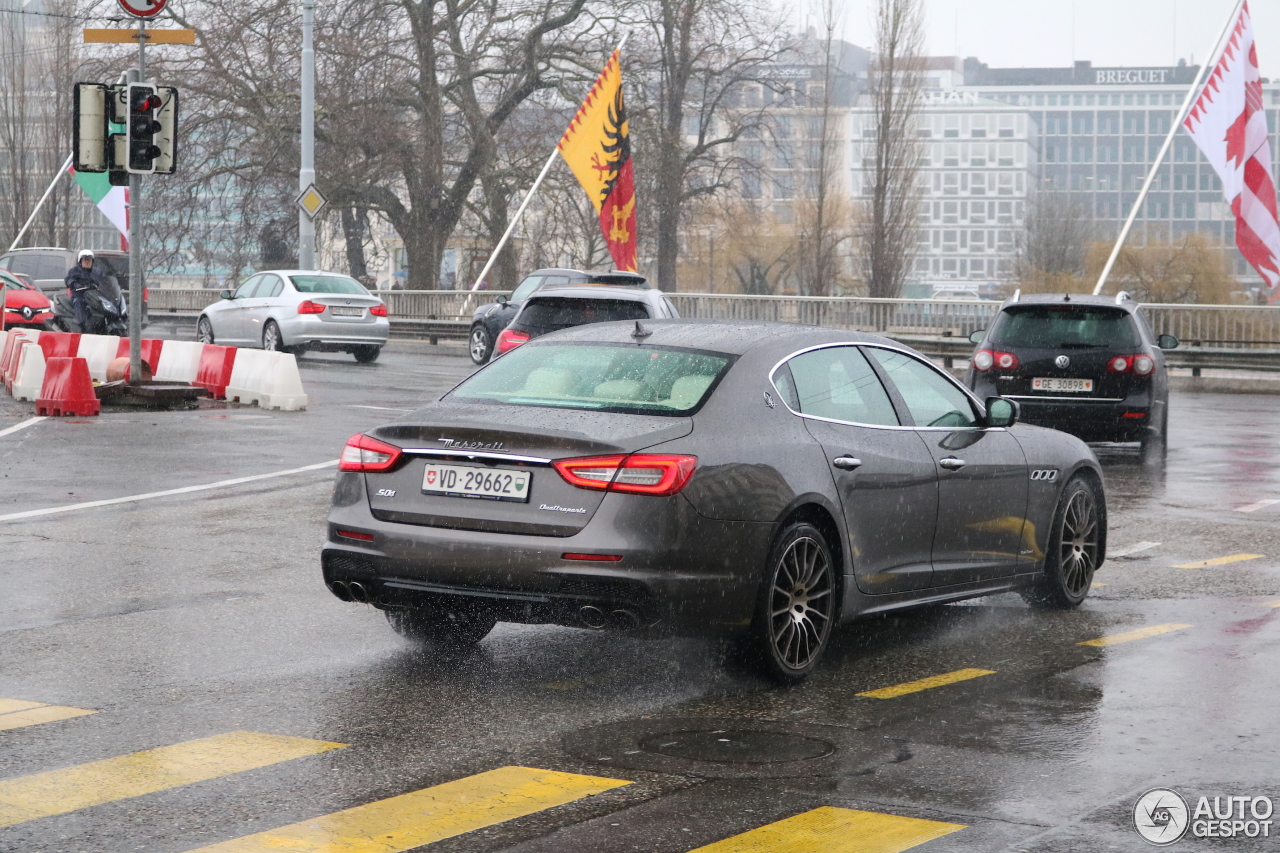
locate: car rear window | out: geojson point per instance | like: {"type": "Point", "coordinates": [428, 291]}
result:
{"type": "Point", "coordinates": [1064, 326]}
{"type": "Point", "coordinates": [547, 314]}
{"type": "Point", "coordinates": [327, 284]}
{"type": "Point", "coordinates": [611, 377]}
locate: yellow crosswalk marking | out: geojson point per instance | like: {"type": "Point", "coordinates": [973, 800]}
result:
{"type": "Point", "coordinates": [927, 683]}
{"type": "Point", "coordinates": [37, 714]}
{"type": "Point", "coordinates": [832, 830]}
{"type": "Point", "coordinates": [70, 789]}
{"type": "Point", "coordinates": [1220, 561]}
{"type": "Point", "coordinates": [1139, 634]}
{"type": "Point", "coordinates": [422, 817]}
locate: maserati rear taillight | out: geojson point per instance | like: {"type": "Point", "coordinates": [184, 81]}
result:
{"type": "Point", "coordinates": [637, 474]}
{"type": "Point", "coordinates": [509, 340]}
{"type": "Point", "coordinates": [367, 454]}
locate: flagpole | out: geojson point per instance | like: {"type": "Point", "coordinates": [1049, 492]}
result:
{"type": "Point", "coordinates": [1168, 141]}
{"type": "Point", "coordinates": [40, 204]}
{"type": "Point", "coordinates": [524, 204]}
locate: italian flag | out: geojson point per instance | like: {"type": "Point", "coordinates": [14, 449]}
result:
{"type": "Point", "coordinates": [112, 201]}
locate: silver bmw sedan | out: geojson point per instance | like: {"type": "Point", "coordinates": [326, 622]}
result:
{"type": "Point", "coordinates": [297, 311]}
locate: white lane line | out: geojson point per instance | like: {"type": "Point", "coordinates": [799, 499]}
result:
{"type": "Point", "coordinates": [1253, 507]}
{"type": "Point", "coordinates": [166, 493]}
{"type": "Point", "coordinates": [379, 408]}
{"type": "Point", "coordinates": [23, 425]}
{"type": "Point", "coordinates": [1132, 549]}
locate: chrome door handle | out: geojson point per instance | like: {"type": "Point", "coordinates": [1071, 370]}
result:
{"type": "Point", "coordinates": [951, 463]}
{"type": "Point", "coordinates": [846, 463]}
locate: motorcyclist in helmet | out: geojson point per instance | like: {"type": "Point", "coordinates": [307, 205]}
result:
{"type": "Point", "coordinates": [80, 279]}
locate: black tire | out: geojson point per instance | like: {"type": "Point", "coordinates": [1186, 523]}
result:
{"type": "Point", "coordinates": [1155, 444]}
{"type": "Point", "coordinates": [204, 331]}
{"type": "Point", "coordinates": [1075, 544]}
{"type": "Point", "coordinates": [272, 340]}
{"type": "Point", "coordinates": [479, 344]}
{"type": "Point", "coordinates": [443, 629]}
{"type": "Point", "coordinates": [366, 355]}
{"type": "Point", "coordinates": [796, 610]}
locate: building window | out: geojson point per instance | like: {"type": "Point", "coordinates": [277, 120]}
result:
{"type": "Point", "coordinates": [1082, 123]}
{"type": "Point", "coordinates": [977, 241]}
{"type": "Point", "coordinates": [784, 185]}
{"type": "Point", "coordinates": [1108, 123]}
{"type": "Point", "coordinates": [978, 184]}
{"type": "Point", "coordinates": [1081, 153]}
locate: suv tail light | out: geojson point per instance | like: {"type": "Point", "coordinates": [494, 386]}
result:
{"type": "Point", "coordinates": [309, 307]}
{"type": "Point", "coordinates": [1141, 364]}
{"type": "Point", "coordinates": [637, 474]}
{"type": "Point", "coordinates": [367, 454]}
{"type": "Point", "coordinates": [509, 340]}
{"type": "Point", "coordinates": [985, 359]}
{"type": "Point", "coordinates": [378, 310]}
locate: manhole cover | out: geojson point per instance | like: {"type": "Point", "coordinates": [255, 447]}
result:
{"type": "Point", "coordinates": [737, 746]}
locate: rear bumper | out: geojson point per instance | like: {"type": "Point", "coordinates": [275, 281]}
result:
{"type": "Point", "coordinates": [310, 331]}
{"type": "Point", "coordinates": [683, 572]}
{"type": "Point", "coordinates": [1122, 420]}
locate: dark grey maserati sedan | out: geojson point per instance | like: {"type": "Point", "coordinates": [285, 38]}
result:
{"type": "Point", "coordinates": [755, 481]}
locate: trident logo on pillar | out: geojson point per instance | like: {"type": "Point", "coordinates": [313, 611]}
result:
{"type": "Point", "coordinates": [142, 8]}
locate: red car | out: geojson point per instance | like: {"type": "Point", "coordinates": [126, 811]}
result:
{"type": "Point", "coordinates": [24, 305]}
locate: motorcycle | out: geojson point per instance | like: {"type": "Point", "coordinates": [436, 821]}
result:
{"type": "Point", "coordinates": [106, 312]}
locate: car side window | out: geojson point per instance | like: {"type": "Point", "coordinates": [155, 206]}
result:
{"type": "Point", "coordinates": [838, 383]}
{"type": "Point", "coordinates": [555, 279]}
{"type": "Point", "coordinates": [271, 285]}
{"type": "Point", "coordinates": [931, 399]}
{"type": "Point", "coordinates": [245, 290]}
{"type": "Point", "coordinates": [529, 285]}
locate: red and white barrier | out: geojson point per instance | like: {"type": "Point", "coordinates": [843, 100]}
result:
{"type": "Point", "coordinates": [12, 342]}
{"type": "Point", "coordinates": [214, 372]}
{"type": "Point", "coordinates": [60, 344]}
{"type": "Point", "coordinates": [179, 361]}
{"type": "Point", "coordinates": [29, 375]}
{"type": "Point", "coordinates": [270, 379]}
{"type": "Point", "coordinates": [67, 389]}
{"type": "Point", "coordinates": [152, 348]}
{"type": "Point", "coordinates": [98, 351]}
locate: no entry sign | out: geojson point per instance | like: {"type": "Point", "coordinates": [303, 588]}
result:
{"type": "Point", "coordinates": [142, 8]}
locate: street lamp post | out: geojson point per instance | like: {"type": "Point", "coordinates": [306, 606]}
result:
{"type": "Point", "coordinates": [307, 172]}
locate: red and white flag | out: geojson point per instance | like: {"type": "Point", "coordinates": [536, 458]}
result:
{"type": "Point", "coordinates": [1229, 125]}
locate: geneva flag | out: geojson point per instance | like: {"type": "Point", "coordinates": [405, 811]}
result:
{"type": "Point", "coordinates": [597, 148]}
{"type": "Point", "coordinates": [1228, 123]}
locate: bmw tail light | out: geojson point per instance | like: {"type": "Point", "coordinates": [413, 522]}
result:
{"type": "Point", "coordinates": [1144, 364]}
{"type": "Point", "coordinates": [378, 310]}
{"type": "Point", "coordinates": [987, 358]}
{"type": "Point", "coordinates": [367, 454]}
{"type": "Point", "coordinates": [309, 307]}
{"type": "Point", "coordinates": [509, 340]}
{"type": "Point", "coordinates": [637, 474]}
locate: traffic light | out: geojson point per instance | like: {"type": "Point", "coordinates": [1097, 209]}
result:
{"type": "Point", "coordinates": [90, 140]}
{"type": "Point", "coordinates": [141, 150]}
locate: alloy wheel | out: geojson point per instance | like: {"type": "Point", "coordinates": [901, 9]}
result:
{"type": "Point", "coordinates": [479, 344]}
{"type": "Point", "coordinates": [1078, 546]}
{"type": "Point", "coordinates": [271, 338]}
{"type": "Point", "coordinates": [801, 603]}
{"type": "Point", "coordinates": [205, 331]}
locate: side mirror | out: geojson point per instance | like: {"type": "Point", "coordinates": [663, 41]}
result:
{"type": "Point", "coordinates": [1002, 412]}
{"type": "Point", "coordinates": [976, 337]}
{"type": "Point", "coordinates": [1167, 342]}
{"type": "Point", "coordinates": [502, 299]}
{"type": "Point", "coordinates": [226, 294]}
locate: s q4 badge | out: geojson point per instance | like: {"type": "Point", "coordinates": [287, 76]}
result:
{"type": "Point", "coordinates": [1047, 475]}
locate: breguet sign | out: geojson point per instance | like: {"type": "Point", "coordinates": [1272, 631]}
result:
{"type": "Point", "coordinates": [1129, 76]}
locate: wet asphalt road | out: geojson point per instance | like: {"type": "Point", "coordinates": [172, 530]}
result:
{"type": "Point", "coordinates": [198, 615]}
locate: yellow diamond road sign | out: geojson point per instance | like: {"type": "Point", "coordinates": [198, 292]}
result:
{"type": "Point", "coordinates": [311, 201]}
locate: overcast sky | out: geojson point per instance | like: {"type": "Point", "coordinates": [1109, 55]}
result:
{"type": "Point", "coordinates": [1038, 33]}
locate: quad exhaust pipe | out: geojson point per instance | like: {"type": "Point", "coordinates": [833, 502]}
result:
{"type": "Point", "coordinates": [598, 619]}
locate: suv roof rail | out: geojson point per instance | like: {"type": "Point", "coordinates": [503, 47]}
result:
{"type": "Point", "coordinates": [1123, 297]}
{"type": "Point", "coordinates": [1017, 294]}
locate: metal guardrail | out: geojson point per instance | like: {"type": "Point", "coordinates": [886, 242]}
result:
{"type": "Point", "coordinates": [1214, 336]}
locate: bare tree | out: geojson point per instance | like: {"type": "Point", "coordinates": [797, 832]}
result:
{"type": "Point", "coordinates": [1057, 231]}
{"type": "Point", "coordinates": [692, 60]}
{"type": "Point", "coordinates": [889, 227]}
